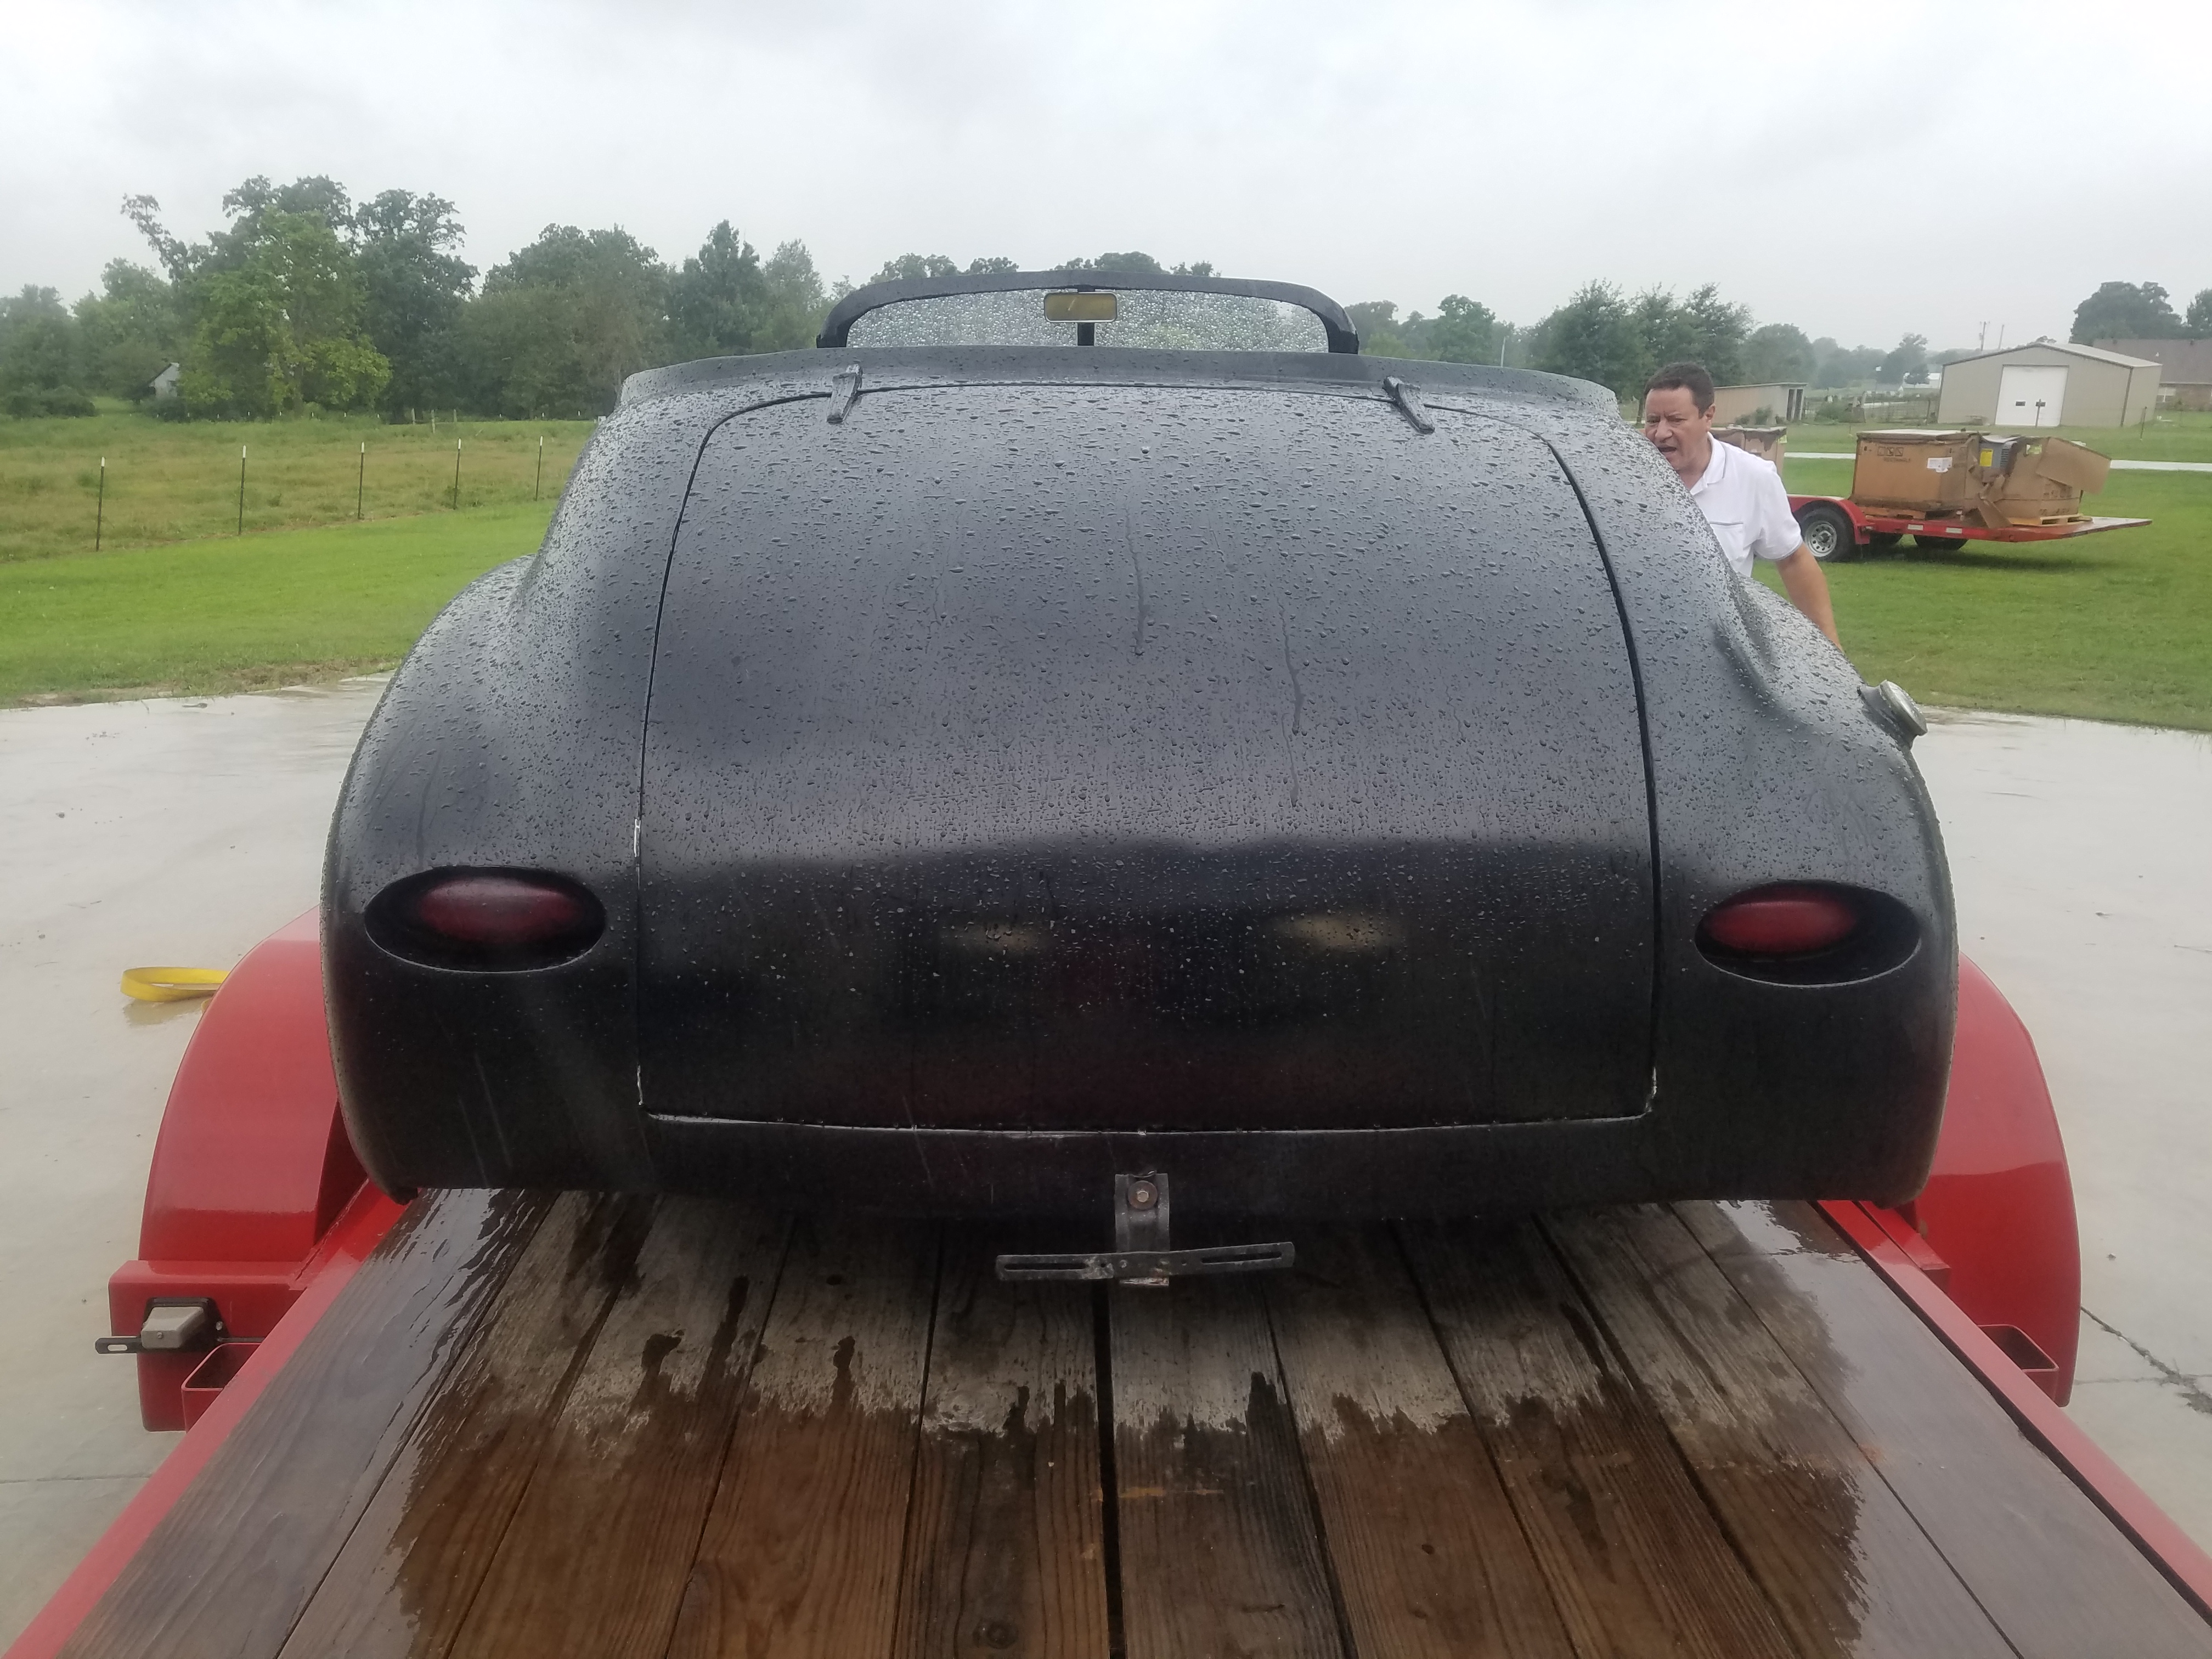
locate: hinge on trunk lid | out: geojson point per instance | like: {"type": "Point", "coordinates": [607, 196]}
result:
{"type": "Point", "coordinates": [1140, 1255]}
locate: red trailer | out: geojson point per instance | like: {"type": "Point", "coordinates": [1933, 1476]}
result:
{"type": "Point", "coordinates": [525, 1423]}
{"type": "Point", "coordinates": [1837, 528]}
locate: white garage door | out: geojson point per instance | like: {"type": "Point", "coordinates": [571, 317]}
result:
{"type": "Point", "coordinates": [2031, 397]}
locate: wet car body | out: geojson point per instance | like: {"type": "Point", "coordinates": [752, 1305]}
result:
{"type": "Point", "coordinates": [992, 769]}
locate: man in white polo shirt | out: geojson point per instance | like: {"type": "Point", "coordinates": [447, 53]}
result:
{"type": "Point", "coordinates": [1740, 496]}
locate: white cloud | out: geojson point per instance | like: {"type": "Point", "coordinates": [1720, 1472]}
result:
{"type": "Point", "coordinates": [1859, 172]}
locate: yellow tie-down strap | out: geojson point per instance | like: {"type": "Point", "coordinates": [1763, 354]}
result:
{"type": "Point", "coordinates": [171, 984]}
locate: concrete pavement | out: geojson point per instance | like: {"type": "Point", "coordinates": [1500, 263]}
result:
{"type": "Point", "coordinates": [183, 831]}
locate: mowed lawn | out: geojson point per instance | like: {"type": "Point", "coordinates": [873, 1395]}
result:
{"type": "Point", "coordinates": [175, 481]}
{"type": "Point", "coordinates": [2115, 626]}
{"type": "Point", "coordinates": [239, 613]}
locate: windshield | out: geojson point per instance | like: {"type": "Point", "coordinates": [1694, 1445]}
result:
{"type": "Point", "coordinates": [1155, 319]}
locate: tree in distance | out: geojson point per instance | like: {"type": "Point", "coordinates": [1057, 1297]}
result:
{"type": "Point", "coordinates": [1904, 364]}
{"type": "Point", "coordinates": [2126, 310]}
{"type": "Point", "coordinates": [37, 355]}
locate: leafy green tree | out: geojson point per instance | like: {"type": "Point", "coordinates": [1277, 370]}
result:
{"type": "Point", "coordinates": [39, 352]}
{"type": "Point", "coordinates": [1840, 365]}
{"type": "Point", "coordinates": [1130, 261]}
{"type": "Point", "coordinates": [1464, 331]}
{"type": "Point", "coordinates": [2199, 318]}
{"type": "Point", "coordinates": [1777, 352]}
{"type": "Point", "coordinates": [1377, 323]}
{"type": "Point", "coordinates": [914, 267]}
{"type": "Point", "coordinates": [282, 329]}
{"type": "Point", "coordinates": [996, 264]}
{"type": "Point", "coordinates": [562, 323]}
{"type": "Point", "coordinates": [131, 331]}
{"type": "Point", "coordinates": [1594, 336]}
{"type": "Point", "coordinates": [1904, 364]}
{"type": "Point", "coordinates": [1716, 331]}
{"type": "Point", "coordinates": [719, 304]}
{"type": "Point", "coordinates": [2125, 311]}
{"type": "Point", "coordinates": [413, 288]}
{"type": "Point", "coordinates": [798, 299]}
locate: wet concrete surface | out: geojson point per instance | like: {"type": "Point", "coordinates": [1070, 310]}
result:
{"type": "Point", "coordinates": [182, 832]}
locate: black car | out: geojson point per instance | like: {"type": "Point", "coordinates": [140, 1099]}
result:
{"type": "Point", "coordinates": [944, 775]}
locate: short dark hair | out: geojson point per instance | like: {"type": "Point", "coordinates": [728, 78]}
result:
{"type": "Point", "coordinates": [1690, 377]}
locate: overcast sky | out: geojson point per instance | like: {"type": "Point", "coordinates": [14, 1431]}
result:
{"type": "Point", "coordinates": [1859, 169]}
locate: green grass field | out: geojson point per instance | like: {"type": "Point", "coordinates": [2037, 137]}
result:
{"type": "Point", "coordinates": [2115, 626]}
{"type": "Point", "coordinates": [240, 613]}
{"type": "Point", "coordinates": [2178, 436]}
{"type": "Point", "coordinates": [2110, 627]}
{"type": "Point", "coordinates": [178, 482]}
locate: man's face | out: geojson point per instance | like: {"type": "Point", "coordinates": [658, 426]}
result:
{"type": "Point", "coordinates": [1677, 429]}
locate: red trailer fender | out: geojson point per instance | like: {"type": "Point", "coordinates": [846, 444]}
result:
{"type": "Point", "coordinates": [1994, 1228]}
{"type": "Point", "coordinates": [251, 1170]}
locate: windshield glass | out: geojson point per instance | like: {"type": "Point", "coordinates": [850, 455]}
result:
{"type": "Point", "coordinates": [1155, 319]}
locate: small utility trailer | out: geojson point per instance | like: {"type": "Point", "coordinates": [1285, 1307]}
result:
{"type": "Point", "coordinates": [1838, 527]}
{"type": "Point", "coordinates": [928, 803]}
{"type": "Point", "coordinates": [529, 1423]}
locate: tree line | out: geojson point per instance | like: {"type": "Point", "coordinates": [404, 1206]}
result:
{"type": "Point", "coordinates": [309, 300]}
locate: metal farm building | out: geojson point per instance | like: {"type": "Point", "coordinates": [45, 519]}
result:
{"type": "Point", "coordinates": [2047, 384]}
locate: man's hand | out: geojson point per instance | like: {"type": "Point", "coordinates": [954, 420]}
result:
{"type": "Point", "coordinates": [1808, 587]}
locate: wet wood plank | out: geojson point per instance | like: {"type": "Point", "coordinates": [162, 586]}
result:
{"type": "Point", "coordinates": [1843, 1562]}
{"type": "Point", "coordinates": [229, 1568]}
{"type": "Point", "coordinates": [1633, 1557]}
{"type": "Point", "coordinates": [416, 1559]}
{"type": "Point", "coordinates": [1218, 1546]}
{"type": "Point", "coordinates": [2059, 1579]}
{"type": "Point", "coordinates": [1428, 1559]}
{"type": "Point", "coordinates": [596, 1560]}
{"type": "Point", "coordinates": [801, 1549]}
{"type": "Point", "coordinates": [1004, 1552]}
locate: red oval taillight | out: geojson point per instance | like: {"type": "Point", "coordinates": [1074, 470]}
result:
{"type": "Point", "coordinates": [1781, 921]}
{"type": "Point", "coordinates": [500, 912]}
{"type": "Point", "coordinates": [495, 919]}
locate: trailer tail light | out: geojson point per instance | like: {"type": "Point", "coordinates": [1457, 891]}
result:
{"type": "Point", "coordinates": [1780, 922]}
{"type": "Point", "coordinates": [504, 920]}
{"type": "Point", "coordinates": [1808, 933]}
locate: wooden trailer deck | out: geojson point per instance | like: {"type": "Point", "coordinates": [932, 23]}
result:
{"type": "Point", "coordinates": [598, 1426]}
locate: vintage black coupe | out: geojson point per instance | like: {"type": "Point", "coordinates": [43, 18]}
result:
{"type": "Point", "coordinates": [1072, 726]}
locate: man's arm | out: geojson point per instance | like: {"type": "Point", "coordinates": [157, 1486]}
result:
{"type": "Point", "coordinates": [1807, 586]}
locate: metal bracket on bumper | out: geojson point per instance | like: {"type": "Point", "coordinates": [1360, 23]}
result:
{"type": "Point", "coordinates": [1140, 1255]}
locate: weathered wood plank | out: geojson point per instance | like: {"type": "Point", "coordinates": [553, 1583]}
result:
{"type": "Point", "coordinates": [595, 1562]}
{"type": "Point", "coordinates": [415, 1560]}
{"type": "Point", "coordinates": [229, 1568]}
{"type": "Point", "coordinates": [1636, 1561]}
{"type": "Point", "coordinates": [1842, 1560]}
{"type": "Point", "coordinates": [1219, 1549]}
{"type": "Point", "coordinates": [1004, 1552]}
{"type": "Point", "coordinates": [1428, 1559]}
{"type": "Point", "coordinates": [800, 1554]}
{"type": "Point", "coordinates": [2059, 1579]}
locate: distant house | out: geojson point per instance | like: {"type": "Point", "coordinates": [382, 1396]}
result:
{"type": "Point", "coordinates": [164, 383]}
{"type": "Point", "coordinates": [2184, 366]}
{"type": "Point", "coordinates": [1783, 402]}
{"type": "Point", "coordinates": [2048, 383]}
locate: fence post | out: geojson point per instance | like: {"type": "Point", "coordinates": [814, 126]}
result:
{"type": "Point", "coordinates": [242, 490]}
{"type": "Point", "coordinates": [99, 508]}
{"type": "Point", "coordinates": [457, 475]}
{"type": "Point", "coordinates": [361, 482]}
{"type": "Point", "coordinates": [540, 480]}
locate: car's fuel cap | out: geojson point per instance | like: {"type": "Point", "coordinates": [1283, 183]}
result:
{"type": "Point", "coordinates": [1898, 703]}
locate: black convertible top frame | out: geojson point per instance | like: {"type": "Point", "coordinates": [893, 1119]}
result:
{"type": "Point", "coordinates": [1343, 338]}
